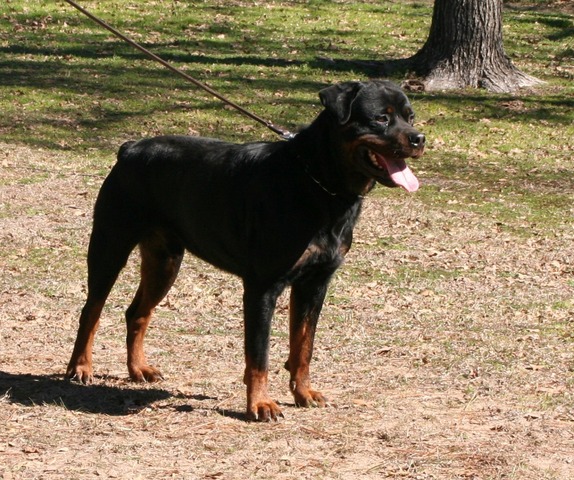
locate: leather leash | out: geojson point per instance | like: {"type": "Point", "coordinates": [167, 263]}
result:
{"type": "Point", "coordinates": [279, 131]}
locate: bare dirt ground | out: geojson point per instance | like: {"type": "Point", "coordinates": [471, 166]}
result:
{"type": "Point", "coordinates": [446, 347]}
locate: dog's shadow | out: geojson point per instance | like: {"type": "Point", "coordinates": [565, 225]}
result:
{"type": "Point", "coordinates": [31, 390]}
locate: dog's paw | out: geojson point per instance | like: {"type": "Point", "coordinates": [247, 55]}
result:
{"type": "Point", "coordinates": [309, 398]}
{"type": "Point", "coordinates": [145, 373]}
{"type": "Point", "coordinates": [80, 373]}
{"type": "Point", "coordinates": [264, 411]}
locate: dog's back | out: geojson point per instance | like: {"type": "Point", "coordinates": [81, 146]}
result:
{"type": "Point", "coordinates": [226, 202]}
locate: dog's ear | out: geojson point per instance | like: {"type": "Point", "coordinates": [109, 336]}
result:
{"type": "Point", "coordinates": [339, 99]}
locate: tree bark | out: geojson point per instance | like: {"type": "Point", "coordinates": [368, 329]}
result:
{"type": "Point", "coordinates": [465, 49]}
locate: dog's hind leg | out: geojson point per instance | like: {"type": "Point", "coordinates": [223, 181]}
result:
{"type": "Point", "coordinates": [107, 254]}
{"type": "Point", "coordinates": [161, 256]}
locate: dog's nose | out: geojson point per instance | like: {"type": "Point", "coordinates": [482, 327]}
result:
{"type": "Point", "coordinates": [417, 140]}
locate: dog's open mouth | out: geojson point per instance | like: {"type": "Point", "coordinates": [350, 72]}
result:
{"type": "Point", "coordinates": [397, 169]}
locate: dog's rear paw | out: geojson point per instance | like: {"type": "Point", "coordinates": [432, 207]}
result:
{"type": "Point", "coordinates": [264, 411]}
{"type": "Point", "coordinates": [80, 373]}
{"type": "Point", "coordinates": [145, 373]}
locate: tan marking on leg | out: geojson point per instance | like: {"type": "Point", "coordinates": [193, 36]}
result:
{"type": "Point", "coordinates": [260, 407]}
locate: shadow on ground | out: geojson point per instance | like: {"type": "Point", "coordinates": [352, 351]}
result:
{"type": "Point", "coordinates": [31, 390]}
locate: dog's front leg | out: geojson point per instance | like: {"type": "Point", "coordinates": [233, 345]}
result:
{"type": "Point", "coordinates": [305, 306]}
{"type": "Point", "coordinates": [258, 304]}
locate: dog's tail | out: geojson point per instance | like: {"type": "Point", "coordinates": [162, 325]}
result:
{"type": "Point", "coordinates": [122, 152]}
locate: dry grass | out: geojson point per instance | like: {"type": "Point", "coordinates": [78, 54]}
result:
{"type": "Point", "coordinates": [445, 345]}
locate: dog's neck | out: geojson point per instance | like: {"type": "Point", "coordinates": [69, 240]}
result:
{"type": "Point", "coordinates": [319, 148]}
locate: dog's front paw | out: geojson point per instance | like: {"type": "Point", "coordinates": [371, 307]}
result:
{"type": "Point", "coordinates": [264, 411]}
{"type": "Point", "coordinates": [305, 397]}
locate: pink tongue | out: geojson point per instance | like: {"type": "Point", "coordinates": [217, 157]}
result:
{"type": "Point", "coordinates": [401, 174]}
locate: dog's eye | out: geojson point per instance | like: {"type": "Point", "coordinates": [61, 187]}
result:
{"type": "Point", "coordinates": [412, 118]}
{"type": "Point", "coordinates": [383, 119]}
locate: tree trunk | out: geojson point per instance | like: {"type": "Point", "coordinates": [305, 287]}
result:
{"type": "Point", "coordinates": [464, 49]}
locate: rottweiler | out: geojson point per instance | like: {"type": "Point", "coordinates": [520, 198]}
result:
{"type": "Point", "coordinates": [276, 214]}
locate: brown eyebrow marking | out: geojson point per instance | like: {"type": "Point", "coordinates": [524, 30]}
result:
{"type": "Point", "coordinates": [390, 110]}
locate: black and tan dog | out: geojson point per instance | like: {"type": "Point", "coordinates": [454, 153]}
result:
{"type": "Point", "coordinates": [276, 214]}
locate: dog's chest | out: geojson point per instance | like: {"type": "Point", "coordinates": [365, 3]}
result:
{"type": "Point", "coordinates": [330, 244]}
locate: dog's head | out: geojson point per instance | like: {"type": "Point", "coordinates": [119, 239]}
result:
{"type": "Point", "coordinates": [375, 122]}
